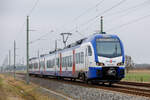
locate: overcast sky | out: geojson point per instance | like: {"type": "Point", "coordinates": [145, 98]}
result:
{"type": "Point", "coordinates": [129, 19]}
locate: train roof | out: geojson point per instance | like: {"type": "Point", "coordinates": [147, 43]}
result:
{"type": "Point", "coordinates": [97, 35]}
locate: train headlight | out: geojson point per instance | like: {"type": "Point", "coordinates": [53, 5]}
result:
{"type": "Point", "coordinates": [120, 64]}
{"type": "Point", "coordinates": [100, 64]}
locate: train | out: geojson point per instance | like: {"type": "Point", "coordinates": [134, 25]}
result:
{"type": "Point", "coordinates": [99, 58]}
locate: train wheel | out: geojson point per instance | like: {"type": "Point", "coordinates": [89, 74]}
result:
{"type": "Point", "coordinates": [103, 83]}
{"type": "Point", "coordinates": [74, 79]}
{"type": "Point", "coordinates": [110, 83]}
{"type": "Point", "coordinates": [83, 77]}
{"type": "Point", "coordinates": [59, 78]}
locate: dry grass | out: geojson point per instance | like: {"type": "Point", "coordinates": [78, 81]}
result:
{"type": "Point", "coordinates": [7, 92]}
{"type": "Point", "coordinates": [11, 89]}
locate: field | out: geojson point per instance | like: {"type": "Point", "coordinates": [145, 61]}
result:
{"type": "Point", "coordinates": [11, 89]}
{"type": "Point", "coordinates": [138, 76]}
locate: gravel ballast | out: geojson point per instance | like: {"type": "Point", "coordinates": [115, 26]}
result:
{"type": "Point", "coordinates": [84, 93]}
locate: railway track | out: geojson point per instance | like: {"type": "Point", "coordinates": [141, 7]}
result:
{"type": "Point", "coordinates": [140, 89]}
{"type": "Point", "coordinates": [147, 85]}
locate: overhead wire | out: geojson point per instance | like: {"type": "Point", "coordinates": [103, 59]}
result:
{"type": "Point", "coordinates": [83, 14]}
{"type": "Point", "coordinates": [131, 9]}
{"type": "Point", "coordinates": [128, 10]}
{"type": "Point", "coordinates": [89, 9]}
{"type": "Point", "coordinates": [130, 22]}
{"type": "Point", "coordinates": [44, 35]}
{"type": "Point", "coordinates": [33, 8]}
{"type": "Point", "coordinates": [23, 24]}
{"type": "Point", "coordinates": [105, 11]}
{"type": "Point", "coordinates": [86, 11]}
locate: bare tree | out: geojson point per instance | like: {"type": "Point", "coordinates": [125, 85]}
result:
{"type": "Point", "coordinates": [128, 63]}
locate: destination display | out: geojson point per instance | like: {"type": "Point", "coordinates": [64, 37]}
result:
{"type": "Point", "coordinates": [107, 39]}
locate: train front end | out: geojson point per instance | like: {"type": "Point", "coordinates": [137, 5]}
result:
{"type": "Point", "coordinates": [109, 59]}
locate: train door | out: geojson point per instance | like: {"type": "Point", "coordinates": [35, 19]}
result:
{"type": "Point", "coordinates": [90, 58]}
{"type": "Point", "coordinates": [60, 64]}
{"type": "Point", "coordinates": [86, 57]}
{"type": "Point", "coordinates": [73, 63]}
{"type": "Point", "coordinates": [55, 67]}
{"type": "Point", "coordinates": [39, 66]}
{"type": "Point", "coordinates": [44, 66]}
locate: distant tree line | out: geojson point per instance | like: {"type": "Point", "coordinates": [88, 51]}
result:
{"type": "Point", "coordinates": [11, 68]}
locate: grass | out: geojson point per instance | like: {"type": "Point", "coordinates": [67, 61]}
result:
{"type": "Point", "coordinates": [11, 89]}
{"type": "Point", "coordinates": [138, 76]}
{"type": "Point", "coordinates": [2, 94]}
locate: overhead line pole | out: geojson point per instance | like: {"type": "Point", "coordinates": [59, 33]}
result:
{"type": "Point", "coordinates": [55, 45]}
{"type": "Point", "coordinates": [9, 59]}
{"type": "Point", "coordinates": [14, 59]}
{"type": "Point", "coordinates": [27, 73]}
{"type": "Point", "coordinates": [101, 26]}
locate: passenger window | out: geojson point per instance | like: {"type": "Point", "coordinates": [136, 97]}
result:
{"type": "Point", "coordinates": [82, 57]}
{"type": "Point", "coordinates": [58, 62]}
{"type": "Point", "coordinates": [79, 57]}
{"type": "Point", "coordinates": [89, 51]}
{"type": "Point", "coordinates": [71, 61]}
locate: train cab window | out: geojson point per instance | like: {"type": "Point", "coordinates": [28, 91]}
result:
{"type": "Point", "coordinates": [89, 51]}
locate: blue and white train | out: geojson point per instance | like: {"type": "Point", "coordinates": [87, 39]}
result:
{"type": "Point", "coordinates": [99, 57]}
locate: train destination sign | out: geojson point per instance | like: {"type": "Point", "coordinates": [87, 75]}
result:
{"type": "Point", "coordinates": [107, 39]}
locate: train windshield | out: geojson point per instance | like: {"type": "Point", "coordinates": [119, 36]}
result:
{"type": "Point", "coordinates": [108, 48]}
